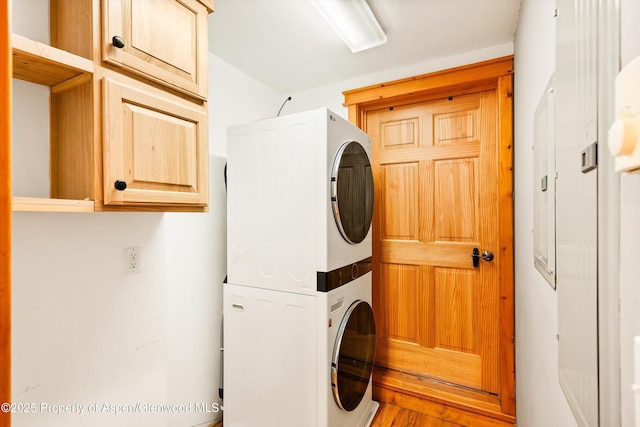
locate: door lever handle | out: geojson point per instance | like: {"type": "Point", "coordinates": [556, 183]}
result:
{"type": "Point", "coordinates": [475, 256]}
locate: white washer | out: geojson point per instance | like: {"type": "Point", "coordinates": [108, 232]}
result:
{"type": "Point", "coordinates": [298, 360]}
{"type": "Point", "coordinates": [299, 201]}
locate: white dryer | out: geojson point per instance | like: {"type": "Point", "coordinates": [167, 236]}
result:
{"type": "Point", "coordinates": [347, 333]}
{"type": "Point", "coordinates": [296, 360]}
{"type": "Point", "coordinates": [300, 200]}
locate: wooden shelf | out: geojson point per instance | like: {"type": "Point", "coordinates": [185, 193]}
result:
{"type": "Point", "coordinates": [42, 64]}
{"type": "Point", "coordinates": [32, 204]}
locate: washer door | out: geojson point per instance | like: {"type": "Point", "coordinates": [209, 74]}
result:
{"type": "Point", "coordinates": [353, 354]}
{"type": "Point", "coordinates": [352, 192]}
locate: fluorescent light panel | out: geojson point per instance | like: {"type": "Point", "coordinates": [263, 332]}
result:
{"type": "Point", "coordinates": [354, 22]}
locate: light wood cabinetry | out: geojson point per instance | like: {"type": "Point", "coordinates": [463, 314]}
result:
{"type": "Point", "coordinates": [137, 38]}
{"type": "Point", "coordinates": [154, 144]}
{"type": "Point", "coordinates": [136, 115]}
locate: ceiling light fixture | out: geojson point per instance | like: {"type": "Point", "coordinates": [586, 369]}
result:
{"type": "Point", "coordinates": [354, 22]}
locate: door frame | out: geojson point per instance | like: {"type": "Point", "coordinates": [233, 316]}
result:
{"type": "Point", "coordinates": [495, 74]}
{"type": "Point", "coordinates": [5, 213]}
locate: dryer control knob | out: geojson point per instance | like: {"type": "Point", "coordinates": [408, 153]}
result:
{"type": "Point", "coordinates": [354, 270]}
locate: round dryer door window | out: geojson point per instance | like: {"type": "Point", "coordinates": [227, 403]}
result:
{"type": "Point", "coordinates": [352, 192]}
{"type": "Point", "coordinates": [353, 355]}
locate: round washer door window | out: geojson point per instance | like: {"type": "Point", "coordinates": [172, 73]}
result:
{"type": "Point", "coordinates": [353, 355]}
{"type": "Point", "coordinates": [352, 192]}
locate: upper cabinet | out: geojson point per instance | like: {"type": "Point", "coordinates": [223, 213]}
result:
{"type": "Point", "coordinates": [162, 40]}
{"type": "Point", "coordinates": [128, 104]}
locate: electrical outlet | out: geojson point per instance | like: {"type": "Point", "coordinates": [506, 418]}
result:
{"type": "Point", "coordinates": [132, 260]}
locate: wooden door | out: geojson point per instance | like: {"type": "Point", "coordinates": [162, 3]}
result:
{"type": "Point", "coordinates": [174, 55]}
{"type": "Point", "coordinates": [435, 175]}
{"type": "Point", "coordinates": [5, 214]}
{"type": "Point", "coordinates": [155, 146]}
{"type": "Point", "coordinates": [443, 171]}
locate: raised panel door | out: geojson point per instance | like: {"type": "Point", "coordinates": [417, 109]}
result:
{"type": "Point", "coordinates": [155, 147]}
{"type": "Point", "coordinates": [435, 174]}
{"type": "Point", "coordinates": [163, 40]}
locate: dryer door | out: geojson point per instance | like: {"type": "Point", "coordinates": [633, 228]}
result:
{"type": "Point", "coordinates": [352, 192]}
{"type": "Point", "coordinates": [353, 354]}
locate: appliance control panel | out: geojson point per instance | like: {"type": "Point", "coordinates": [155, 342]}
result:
{"type": "Point", "coordinates": [624, 133]}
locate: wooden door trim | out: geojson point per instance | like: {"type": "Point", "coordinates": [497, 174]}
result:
{"type": "Point", "coordinates": [5, 214]}
{"type": "Point", "coordinates": [458, 80]}
{"type": "Point", "coordinates": [506, 238]}
{"type": "Point", "coordinates": [495, 74]}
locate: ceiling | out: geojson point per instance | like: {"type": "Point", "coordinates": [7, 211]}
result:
{"type": "Point", "coordinates": [288, 46]}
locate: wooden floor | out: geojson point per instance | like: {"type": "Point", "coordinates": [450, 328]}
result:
{"type": "Point", "coordinates": [389, 415]}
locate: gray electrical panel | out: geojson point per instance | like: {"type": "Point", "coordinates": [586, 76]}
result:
{"type": "Point", "coordinates": [544, 182]}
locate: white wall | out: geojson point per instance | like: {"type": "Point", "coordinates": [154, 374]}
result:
{"type": "Point", "coordinates": [629, 236]}
{"type": "Point", "coordinates": [331, 95]}
{"type": "Point", "coordinates": [196, 248]}
{"type": "Point", "coordinates": [540, 401]}
{"type": "Point", "coordinates": [83, 331]}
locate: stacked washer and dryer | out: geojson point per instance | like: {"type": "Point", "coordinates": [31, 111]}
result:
{"type": "Point", "coordinates": [298, 325]}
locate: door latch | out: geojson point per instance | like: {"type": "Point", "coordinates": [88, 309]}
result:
{"type": "Point", "coordinates": [486, 256]}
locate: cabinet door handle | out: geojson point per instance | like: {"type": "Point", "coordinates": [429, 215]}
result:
{"type": "Point", "coordinates": [118, 42]}
{"type": "Point", "coordinates": [120, 185]}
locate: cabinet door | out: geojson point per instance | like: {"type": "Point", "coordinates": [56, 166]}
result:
{"type": "Point", "coordinates": [155, 144]}
{"type": "Point", "coordinates": [164, 40]}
